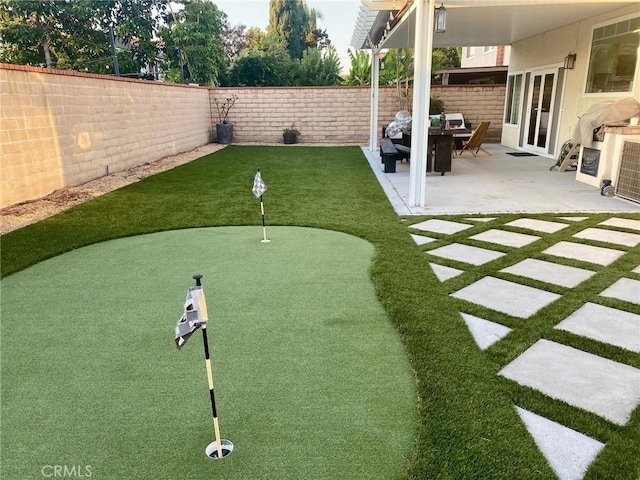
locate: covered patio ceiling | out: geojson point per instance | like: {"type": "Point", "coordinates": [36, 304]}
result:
{"type": "Point", "coordinates": [473, 22]}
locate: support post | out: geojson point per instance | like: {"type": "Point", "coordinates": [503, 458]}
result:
{"type": "Point", "coordinates": [375, 90]}
{"type": "Point", "coordinates": [421, 95]}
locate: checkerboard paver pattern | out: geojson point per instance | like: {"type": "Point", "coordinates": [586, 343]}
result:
{"type": "Point", "coordinates": [591, 382]}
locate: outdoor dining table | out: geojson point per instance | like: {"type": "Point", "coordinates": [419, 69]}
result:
{"type": "Point", "coordinates": [439, 148]}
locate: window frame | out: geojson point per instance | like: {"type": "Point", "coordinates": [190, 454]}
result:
{"type": "Point", "coordinates": [636, 73]}
{"type": "Point", "coordinates": [514, 99]}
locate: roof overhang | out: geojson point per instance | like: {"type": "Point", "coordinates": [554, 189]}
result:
{"type": "Point", "coordinates": [473, 22]}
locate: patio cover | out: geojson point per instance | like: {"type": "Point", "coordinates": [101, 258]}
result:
{"type": "Point", "coordinates": [386, 24]}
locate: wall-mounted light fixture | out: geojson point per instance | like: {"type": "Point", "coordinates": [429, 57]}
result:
{"type": "Point", "coordinates": [440, 19]}
{"type": "Point", "coordinates": [570, 61]}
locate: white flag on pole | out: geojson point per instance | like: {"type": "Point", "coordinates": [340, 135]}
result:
{"type": "Point", "coordinates": [259, 186]}
{"type": "Point", "coordinates": [195, 315]}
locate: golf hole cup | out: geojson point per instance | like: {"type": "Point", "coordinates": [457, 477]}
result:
{"type": "Point", "coordinates": [212, 448]}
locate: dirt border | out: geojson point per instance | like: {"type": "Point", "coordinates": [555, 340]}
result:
{"type": "Point", "coordinates": [22, 214]}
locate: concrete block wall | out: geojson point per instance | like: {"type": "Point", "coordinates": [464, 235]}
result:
{"type": "Point", "coordinates": [340, 115]}
{"type": "Point", "coordinates": [478, 103]}
{"type": "Point", "coordinates": [337, 115]}
{"type": "Point", "coordinates": [62, 128]}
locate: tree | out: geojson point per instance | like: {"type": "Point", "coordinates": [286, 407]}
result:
{"type": "Point", "coordinates": [360, 72]}
{"type": "Point", "coordinates": [234, 40]}
{"type": "Point", "coordinates": [316, 37]}
{"type": "Point", "coordinates": [194, 35]}
{"type": "Point", "coordinates": [72, 34]}
{"type": "Point", "coordinates": [319, 68]}
{"type": "Point", "coordinates": [266, 64]}
{"type": "Point", "coordinates": [398, 71]}
{"type": "Point", "coordinates": [445, 58]}
{"type": "Point", "coordinates": [254, 37]}
{"type": "Point", "coordinates": [290, 20]}
{"type": "Point", "coordinates": [43, 32]}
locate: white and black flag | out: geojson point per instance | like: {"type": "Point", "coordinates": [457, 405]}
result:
{"type": "Point", "coordinates": [195, 315]}
{"type": "Point", "coordinates": [259, 186]}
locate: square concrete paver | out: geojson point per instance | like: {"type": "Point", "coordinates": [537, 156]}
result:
{"type": "Point", "coordinates": [445, 273]}
{"type": "Point", "coordinates": [550, 272]}
{"type": "Point", "coordinates": [508, 239]}
{"type": "Point", "coordinates": [568, 452]}
{"type": "Point", "coordinates": [485, 333]}
{"type": "Point", "coordinates": [466, 254]}
{"type": "Point", "coordinates": [624, 289]}
{"type": "Point", "coordinates": [538, 225]}
{"type": "Point", "coordinates": [441, 226]}
{"type": "Point", "coordinates": [599, 385]}
{"type": "Point", "coordinates": [422, 240]}
{"type": "Point", "coordinates": [585, 253]}
{"type": "Point", "coordinates": [511, 298]}
{"type": "Point", "coordinates": [622, 223]}
{"type": "Point", "coordinates": [605, 324]}
{"type": "Point", "coordinates": [609, 236]}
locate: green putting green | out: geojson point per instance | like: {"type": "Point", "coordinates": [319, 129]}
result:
{"type": "Point", "coordinates": [311, 379]}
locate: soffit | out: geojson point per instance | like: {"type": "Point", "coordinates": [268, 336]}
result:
{"type": "Point", "coordinates": [481, 22]}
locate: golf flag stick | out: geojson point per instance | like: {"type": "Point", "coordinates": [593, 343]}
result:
{"type": "Point", "coordinates": [207, 360]}
{"type": "Point", "coordinates": [195, 316]}
{"type": "Point", "coordinates": [264, 227]}
{"type": "Point", "coordinates": [259, 187]}
{"type": "Point", "coordinates": [219, 451]}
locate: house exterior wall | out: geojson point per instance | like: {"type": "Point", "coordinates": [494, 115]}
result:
{"type": "Point", "coordinates": [61, 128]}
{"type": "Point", "coordinates": [498, 57]}
{"type": "Point", "coordinates": [549, 50]}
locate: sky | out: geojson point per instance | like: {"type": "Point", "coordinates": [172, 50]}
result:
{"type": "Point", "coordinates": [339, 19]}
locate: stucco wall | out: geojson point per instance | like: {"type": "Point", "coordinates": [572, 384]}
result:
{"type": "Point", "coordinates": [341, 114]}
{"type": "Point", "coordinates": [63, 128]}
{"type": "Point", "coordinates": [548, 51]}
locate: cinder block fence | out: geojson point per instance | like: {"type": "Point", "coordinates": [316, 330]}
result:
{"type": "Point", "coordinates": [61, 128]}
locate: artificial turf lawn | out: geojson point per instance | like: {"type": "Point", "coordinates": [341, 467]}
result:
{"type": "Point", "coordinates": [468, 426]}
{"type": "Point", "coordinates": [311, 378]}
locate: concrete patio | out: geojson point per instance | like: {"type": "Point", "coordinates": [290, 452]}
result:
{"type": "Point", "coordinates": [499, 183]}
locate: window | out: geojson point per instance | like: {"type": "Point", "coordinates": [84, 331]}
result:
{"type": "Point", "coordinates": [488, 49]}
{"type": "Point", "coordinates": [613, 58]}
{"type": "Point", "coordinates": [471, 52]}
{"type": "Point", "coordinates": [512, 107]}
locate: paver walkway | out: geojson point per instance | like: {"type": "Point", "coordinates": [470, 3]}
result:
{"type": "Point", "coordinates": [588, 381]}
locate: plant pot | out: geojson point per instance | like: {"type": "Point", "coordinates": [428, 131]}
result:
{"type": "Point", "coordinates": [289, 138]}
{"type": "Point", "coordinates": [224, 132]}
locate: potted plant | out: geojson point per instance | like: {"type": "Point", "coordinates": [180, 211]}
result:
{"type": "Point", "coordinates": [290, 135]}
{"type": "Point", "coordinates": [224, 129]}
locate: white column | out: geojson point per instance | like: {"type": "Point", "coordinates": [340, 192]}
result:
{"type": "Point", "coordinates": [373, 121]}
{"type": "Point", "coordinates": [421, 94]}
